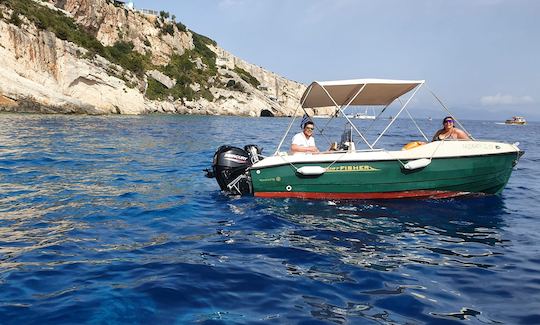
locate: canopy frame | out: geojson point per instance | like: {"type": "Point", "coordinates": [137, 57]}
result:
{"type": "Point", "coordinates": [344, 93]}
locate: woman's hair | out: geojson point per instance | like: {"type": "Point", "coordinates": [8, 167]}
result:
{"type": "Point", "coordinates": [446, 118]}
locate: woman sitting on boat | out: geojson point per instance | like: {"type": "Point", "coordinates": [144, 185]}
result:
{"type": "Point", "coordinates": [449, 132]}
{"type": "Point", "coordinates": [304, 141]}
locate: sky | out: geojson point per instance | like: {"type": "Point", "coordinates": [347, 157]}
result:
{"type": "Point", "coordinates": [481, 57]}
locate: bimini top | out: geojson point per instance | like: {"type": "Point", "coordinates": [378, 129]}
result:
{"type": "Point", "coordinates": [341, 92]}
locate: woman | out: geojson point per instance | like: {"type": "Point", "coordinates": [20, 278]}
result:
{"type": "Point", "coordinates": [449, 132]}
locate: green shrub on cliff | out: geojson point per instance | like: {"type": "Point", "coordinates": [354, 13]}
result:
{"type": "Point", "coordinates": [186, 72]}
{"type": "Point", "coordinates": [181, 27]}
{"type": "Point", "coordinates": [201, 39]}
{"type": "Point", "coordinates": [167, 29]}
{"type": "Point", "coordinates": [156, 90]}
{"type": "Point", "coordinates": [14, 19]}
{"type": "Point", "coordinates": [247, 77]}
{"type": "Point", "coordinates": [164, 14]}
{"type": "Point", "coordinates": [122, 53]}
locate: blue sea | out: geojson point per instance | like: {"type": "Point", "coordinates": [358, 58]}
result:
{"type": "Point", "coordinates": [109, 220]}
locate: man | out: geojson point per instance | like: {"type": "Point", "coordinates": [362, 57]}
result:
{"type": "Point", "coordinates": [304, 141]}
{"type": "Point", "coordinates": [449, 132]}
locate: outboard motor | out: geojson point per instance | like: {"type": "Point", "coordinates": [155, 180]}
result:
{"type": "Point", "coordinates": [254, 153]}
{"type": "Point", "coordinates": [230, 165]}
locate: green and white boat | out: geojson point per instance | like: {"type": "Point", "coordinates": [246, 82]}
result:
{"type": "Point", "coordinates": [438, 169]}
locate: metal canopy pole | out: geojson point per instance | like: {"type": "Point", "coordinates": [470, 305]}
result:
{"type": "Point", "coordinates": [337, 106]}
{"type": "Point", "coordinates": [414, 121]}
{"type": "Point", "coordinates": [450, 113]}
{"type": "Point", "coordinates": [397, 115]}
{"type": "Point", "coordinates": [292, 122]}
{"type": "Point", "coordinates": [376, 118]}
{"type": "Point", "coordinates": [340, 109]}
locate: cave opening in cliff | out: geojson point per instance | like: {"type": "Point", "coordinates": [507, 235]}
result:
{"type": "Point", "coordinates": [266, 113]}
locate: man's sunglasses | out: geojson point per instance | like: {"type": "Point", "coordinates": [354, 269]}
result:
{"type": "Point", "coordinates": [309, 128]}
{"type": "Point", "coordinates": [448, 121]}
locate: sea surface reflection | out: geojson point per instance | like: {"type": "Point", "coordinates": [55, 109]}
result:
{"type": "Point", "coordinates": [373, 234]}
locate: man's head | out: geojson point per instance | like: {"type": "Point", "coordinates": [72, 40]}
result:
{"type": "Point", "coordinates": [308, 128]}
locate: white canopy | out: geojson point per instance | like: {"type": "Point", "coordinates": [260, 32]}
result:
{"type": "Point", "coordinates": [375, 92]}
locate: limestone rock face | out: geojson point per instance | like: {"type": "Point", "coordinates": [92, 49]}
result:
{"type": "Point", "coordinates": [37, 67]}
{"type": "Point", "coordinates": [275, 94]}
{"type": "Point", "coordinates": [42, 73]}
{"type": "Point", "coordinates": [162, 78]}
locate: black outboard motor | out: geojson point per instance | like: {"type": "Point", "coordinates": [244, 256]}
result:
{"type": "Point", "coordinates": [230, 165]}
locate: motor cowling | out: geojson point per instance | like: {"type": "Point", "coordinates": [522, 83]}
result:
{"type": "Point", "coordinates": [229, 167]}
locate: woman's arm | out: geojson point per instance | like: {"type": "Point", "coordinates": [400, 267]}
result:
{"type": "Point", "coordinates": [436, 136]}
{"type": "Point", "coordinates": [461, 134]}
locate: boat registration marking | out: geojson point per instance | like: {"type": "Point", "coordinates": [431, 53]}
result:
{"type": "Point", "coordinates": [355, 168]}
{"type": "Point", "coordinates": [473, 146]}
{"type": "Point", "coordinates": [271, 179]}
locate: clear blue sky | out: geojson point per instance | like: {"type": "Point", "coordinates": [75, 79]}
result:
{"type": "Point", "coordinates": [481, 56]}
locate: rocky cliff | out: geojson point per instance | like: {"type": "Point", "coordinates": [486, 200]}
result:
{"type": "Point", "coordinates": [115, 60]}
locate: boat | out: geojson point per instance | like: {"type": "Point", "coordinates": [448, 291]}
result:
{"type": "Point", "coordinates": [516, 120]}
{"type": "Point", "coordinates": [442, 169]}
{"type": "Point", "coordinates": [363, 115]}
{"type": "Point", "coordinates": [322, 116]}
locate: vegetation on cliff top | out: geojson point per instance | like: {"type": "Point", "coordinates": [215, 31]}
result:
{"type": "Point", "coordinates": [247, 77]}
{"type": "Point", "coordinates": [184, 68]}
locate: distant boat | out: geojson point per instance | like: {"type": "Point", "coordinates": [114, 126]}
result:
{"type": "Point", "coordinates": [516, 120]}
{"type": "Point", "coordinates": [363, 115]}
{"type": "Point", "coordinates": [429, 118]}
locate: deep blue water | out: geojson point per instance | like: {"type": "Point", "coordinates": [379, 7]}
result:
{"type": "Point", "coordinates": [107, 220]}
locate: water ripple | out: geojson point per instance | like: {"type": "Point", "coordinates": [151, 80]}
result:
{"type": "Point", "coordinates": [109, 220]}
